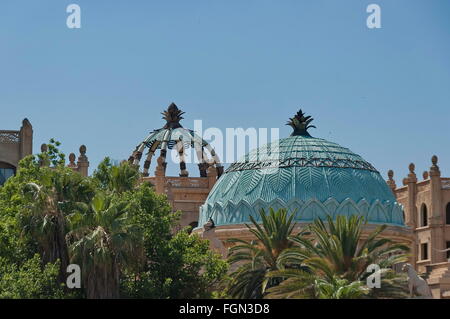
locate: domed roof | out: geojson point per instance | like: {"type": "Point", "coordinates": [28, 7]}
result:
{"type": "Point", "coordinates": [173, 135]}
{"type": "Point", "coordinates": [309, 175]}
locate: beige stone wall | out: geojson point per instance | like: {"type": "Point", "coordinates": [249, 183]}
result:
{"type": "Point", "coordinates": [185, 194]}
{"type": "Point", "coordinates": [15, 145]}
{"type": "Point", "coordinates": [10, 153]}
{"type": "Point", "coordinates": [433, 191]}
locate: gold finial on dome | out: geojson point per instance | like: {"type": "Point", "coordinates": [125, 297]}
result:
{"type": "Point", "coordinates": [173, 116]}
{"type": "Point", "coordinates": [300, 123]}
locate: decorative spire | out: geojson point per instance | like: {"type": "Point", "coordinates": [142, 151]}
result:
{"type": "Point", "coordinates": [173, 116]}
{"type": "Point", "coordinates": [72, 159]}
{"type": "Point", "coordinates": [434, 169]}
{"type": "Point", "coordinates": [300, 123]}
{"type": "Point", "coordinates": [412, 178]}
{"type": "Point", "coordinates": [391, 181]}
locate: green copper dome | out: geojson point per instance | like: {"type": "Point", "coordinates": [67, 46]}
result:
{"type": "Point", "coordinates": [307, 175]}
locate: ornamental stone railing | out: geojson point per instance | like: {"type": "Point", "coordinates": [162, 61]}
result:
{"type": "Point", "coordinates": [9, 137]}
{"type": "Point", "coordinates": [445, 183]}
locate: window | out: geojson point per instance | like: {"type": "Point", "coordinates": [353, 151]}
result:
{"type": "Point", "coordinates": [448, 252]}
{"type": "Point", "coordinates": [6, 171]}
{"type": "Point", "coordinates": [424, 251]}
{"type": "Point", "coordinates": [447, 214]}
{"type": "Point", "coordinates": [423, 216]}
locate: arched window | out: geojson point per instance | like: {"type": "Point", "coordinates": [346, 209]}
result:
{"type": "Point", "coordinates": [423, 216]}
{"type": "Point", "coordinates": [6, 171]}
{"type": "Point", "coordinates": [447, 214]}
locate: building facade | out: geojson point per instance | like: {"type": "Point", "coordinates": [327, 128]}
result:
{"type": "Point", "coordinates": [14, 145]}
{"type": "Point", "coordinates": [426, 204]}
{"type": "Point", "coordinates": [313, 176]}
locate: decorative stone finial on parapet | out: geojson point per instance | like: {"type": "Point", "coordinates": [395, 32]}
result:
{"type": "Point", "coordinates": [412, 178]}
{"type": "Point", "coordinates": [425, 175]}
{"type": "Point", "coordinates": [434, 160]}
{"type": "Point", "coordinates": [390, 174]}
{"type": "Point", "coordinates": [82, 152]}
{"type": "Point", "coordinates": [391, 181]}
{"type": "Point", "coordinates": [44, 149]}
{"type": "Point", "coordinates": [434, 169]}
{"type": "Point", "coordinates": [82, 162]}
{"type": "Point", "coordinates": [72, 158]}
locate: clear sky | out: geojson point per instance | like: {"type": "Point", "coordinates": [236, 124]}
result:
{"type": "Point", "coordinates": [383, 93]}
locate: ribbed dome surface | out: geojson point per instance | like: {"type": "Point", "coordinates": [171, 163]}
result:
{"type": "Point", "coordinates": [311, 176]}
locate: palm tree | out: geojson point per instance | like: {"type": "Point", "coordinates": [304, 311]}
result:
{"type": "Point", "coordinates": [103, 241]}
{"type": "Point", "coordinates": [308, 285]}
{"type": "Point", "coordinates": [339, 288]}
{"type": "Point", "coordinates": [116, 178]}
{"type": "Point", "coordinates": [254, 259]}
{"type": "Point", "coordinates": [340, 248]}
{"type": "Point", "coordinates": [336, 252]}
{"type": "Point", "coordinates": [56, 192]}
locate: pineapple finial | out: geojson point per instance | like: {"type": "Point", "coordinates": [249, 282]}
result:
{"type": "Point", "coordinates": [173, 116]}
{"type": "Point", "coordinates": [300, 123]}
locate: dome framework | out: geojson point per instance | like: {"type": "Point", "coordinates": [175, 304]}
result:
{"type": "Point", "coordinates": [174, 136]}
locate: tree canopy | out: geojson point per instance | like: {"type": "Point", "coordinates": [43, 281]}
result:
{"type": "Point", "coordinates": [113, 225]}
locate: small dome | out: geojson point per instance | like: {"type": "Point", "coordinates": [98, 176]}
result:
{"type": "Point", "coordinates": [174, 135]}
{"type": "Point", "coordinates": [307, 175]}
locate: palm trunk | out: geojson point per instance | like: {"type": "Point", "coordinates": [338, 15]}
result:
{"type": "Point", "coordinates": [103, 282]}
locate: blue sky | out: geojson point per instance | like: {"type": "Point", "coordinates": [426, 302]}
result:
{"type": "Point", "coordinates": [383, 93]}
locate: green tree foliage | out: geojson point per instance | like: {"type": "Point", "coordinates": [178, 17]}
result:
{"type": "Point", "coordinates": [30, 280]}
{"type": "Point", "coordinates": [334, 261]}
{"type": "Point", "coordinates": [185, 268]}
{"type": "Point", "coordinates": [103, 241]}
{"type": "Point", "coordinates": [113, 225]}
{"type": "Point", "coordinates": [254, 259]}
